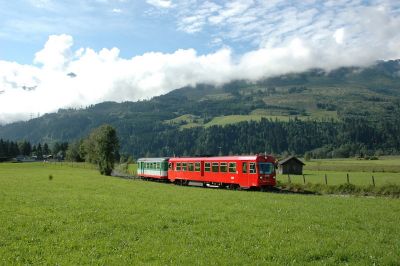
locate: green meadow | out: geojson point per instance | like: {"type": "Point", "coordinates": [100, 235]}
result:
{"type": "Point", "coordinates": [360, 172]}
{"type": "Point", "coordinates": [59, 214]}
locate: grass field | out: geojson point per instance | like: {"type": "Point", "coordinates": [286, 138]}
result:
{"type": "Point", "coordinates": [384, 164]}
{"type": "Point", "coordinates": [385, 171]}
{"type": "Point", "coordinates": [80, 217]}
{"type": "Point", "coordinates": [337, 178]}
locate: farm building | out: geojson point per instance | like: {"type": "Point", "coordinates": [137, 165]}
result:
{"type": "Point", "coordinates": [291, 165]}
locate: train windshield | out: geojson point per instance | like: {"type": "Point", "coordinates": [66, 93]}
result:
{"type": "Point", "coordinates": [266, 168]}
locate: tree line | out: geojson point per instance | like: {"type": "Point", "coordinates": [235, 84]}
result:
{"type": "Point", "coordinates": [11, 149]}
{"type": "Point", "coordinates": [352, 136]}
{"type": "Point", "coordinates": [99, 147]}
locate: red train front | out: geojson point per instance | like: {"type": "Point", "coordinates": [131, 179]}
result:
{"type": "Point", "coordinates": [253, 171]}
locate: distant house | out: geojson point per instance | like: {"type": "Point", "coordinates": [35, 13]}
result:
{"type": "Point", "coordinates": [291, 165]}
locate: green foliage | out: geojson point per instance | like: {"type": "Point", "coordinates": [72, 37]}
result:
{"type": "Point", "coordinates": [101, 147]}
{"type": "Point", "coordinates": [81, 217]}
{"type": "Point", "coordinates": [75, 152]}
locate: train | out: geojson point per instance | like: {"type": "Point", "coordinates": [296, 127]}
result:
{"type": "Point", "coordinates": [234, 172]}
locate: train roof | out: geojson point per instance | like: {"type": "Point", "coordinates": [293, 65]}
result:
{"type": "Point", "coordinates": [221, 158]}
{"type": "Point", "coordinates": [156, 160]}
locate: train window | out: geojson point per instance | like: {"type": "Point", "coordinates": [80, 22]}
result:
{"type": "Point", "coordinates": [170, 166]}
{"type": "Point", "coordinates": [244, 168]}
{"type": "Point", "coordinates": [214, 167]}
{"type": "Point", "coordinates": [207, 167]}
{"type": "Point", "coordinates": [158, 166]}
{"type": "Point", "coordinates": [178, 166]}
{"type": "Point", "coordinates": [184, 166]}
{"type": "Point", "coordinates": [252, 168]}
{"type": "Point", "coordinates": [223, 167]}
{"type": "Point", "coordinates": [191, 167]}
{"type": "Point", "coordinates": [197, 167]}
{"type": "Point", "coordinates": [232, 167]}
{"type": "Point", "coordinates": [265, 168]}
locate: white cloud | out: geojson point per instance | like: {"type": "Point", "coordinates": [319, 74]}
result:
{"type": "Point", "coordinates": [276, 22]}
{"type": "Point", "coordinates": [286, 39]}
{"type": "Point", "coordinates": [117, 10]}
{"type": "Point", "coordinates": [339, 36]}
{"type": "Point", "coordinates": [56, 52]}
{"type": "Point", "coordinates": [160, 3]}
{"type": "Point", "coordinates": [105, 75]}
{"type": "Point", "coordinates": [41, 3]}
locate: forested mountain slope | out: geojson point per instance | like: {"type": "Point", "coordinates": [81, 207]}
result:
{"type": "Point", "coordinates": [341, 113]}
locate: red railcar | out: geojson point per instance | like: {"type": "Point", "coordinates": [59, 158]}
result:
{"type": "Point", "coordinates": [254, 171]}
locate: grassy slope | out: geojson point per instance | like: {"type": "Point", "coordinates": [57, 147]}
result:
{"type": "Point", "coordinates": [348, 97]}
{"type": "Point", "coordinates": [80, 217]}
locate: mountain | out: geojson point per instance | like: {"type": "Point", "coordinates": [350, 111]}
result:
{"type": "Point", "coordinates": [272, 115]}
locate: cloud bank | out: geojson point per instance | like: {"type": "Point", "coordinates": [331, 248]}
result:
{"type": "Point", "coordinates": [63, 76]}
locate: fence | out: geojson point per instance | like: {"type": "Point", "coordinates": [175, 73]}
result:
{"type": "Point", "coordinates": [325, 179]}
{"type": "Point", "coordinates": [83, 165]}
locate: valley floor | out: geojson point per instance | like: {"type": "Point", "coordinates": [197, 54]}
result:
{"type": "Point", "coordinates": [58, 214]}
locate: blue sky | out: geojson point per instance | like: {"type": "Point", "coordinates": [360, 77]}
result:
{"type": "Point", "coordinates": [124, 50]}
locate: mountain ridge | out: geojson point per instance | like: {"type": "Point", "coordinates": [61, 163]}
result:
{"type": "Point", "coordinates": [370, 94]}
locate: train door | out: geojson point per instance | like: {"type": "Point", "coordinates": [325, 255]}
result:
{"type": "Point", "coordinates": [245, 178]}
{"type": "Point", "coordinates": [141, 168]}
{"type": "Point", "coordinates": [202, 169]}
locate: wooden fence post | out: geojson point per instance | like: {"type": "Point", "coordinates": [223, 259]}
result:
{"type": "Point", "coordinates": [348, 178]}
{"type": "Point", "coordinates": [304, 179]}
{"type": "Point", "coordinates": [326, 179]}
{"type": "Point", "coordinates": [373, 181]}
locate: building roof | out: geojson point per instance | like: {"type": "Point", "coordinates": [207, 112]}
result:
{"type": "Point", "coordinates": [285, 161]}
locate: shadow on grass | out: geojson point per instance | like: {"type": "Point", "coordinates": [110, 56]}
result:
{"type": "Point", "coordinates": [292, 189]}
{"type": "Point", "coordinates": [387, 190]}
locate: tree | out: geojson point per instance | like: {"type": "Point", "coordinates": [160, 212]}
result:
{"type": "Point", "coordinates": [25, 148]}
{"type": "Point", "coordinates": [101, 147]}
{"type": "Point", "coordinates": [59, 150]}
{"type": "Point", "coordinates": [39, 151]}
{"type": "Point", "coordinates": [46, 150]}
{"type": "Point", "coordinates": [73, 152]}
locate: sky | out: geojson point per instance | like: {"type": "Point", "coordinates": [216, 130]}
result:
{"type": "Point", "coordinates": [74, 53]}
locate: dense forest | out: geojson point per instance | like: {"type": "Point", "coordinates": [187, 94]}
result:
{"type": "Point", "coordinates": [352, 137]}
{"type": "Point", "coordinates": [345, 112]}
